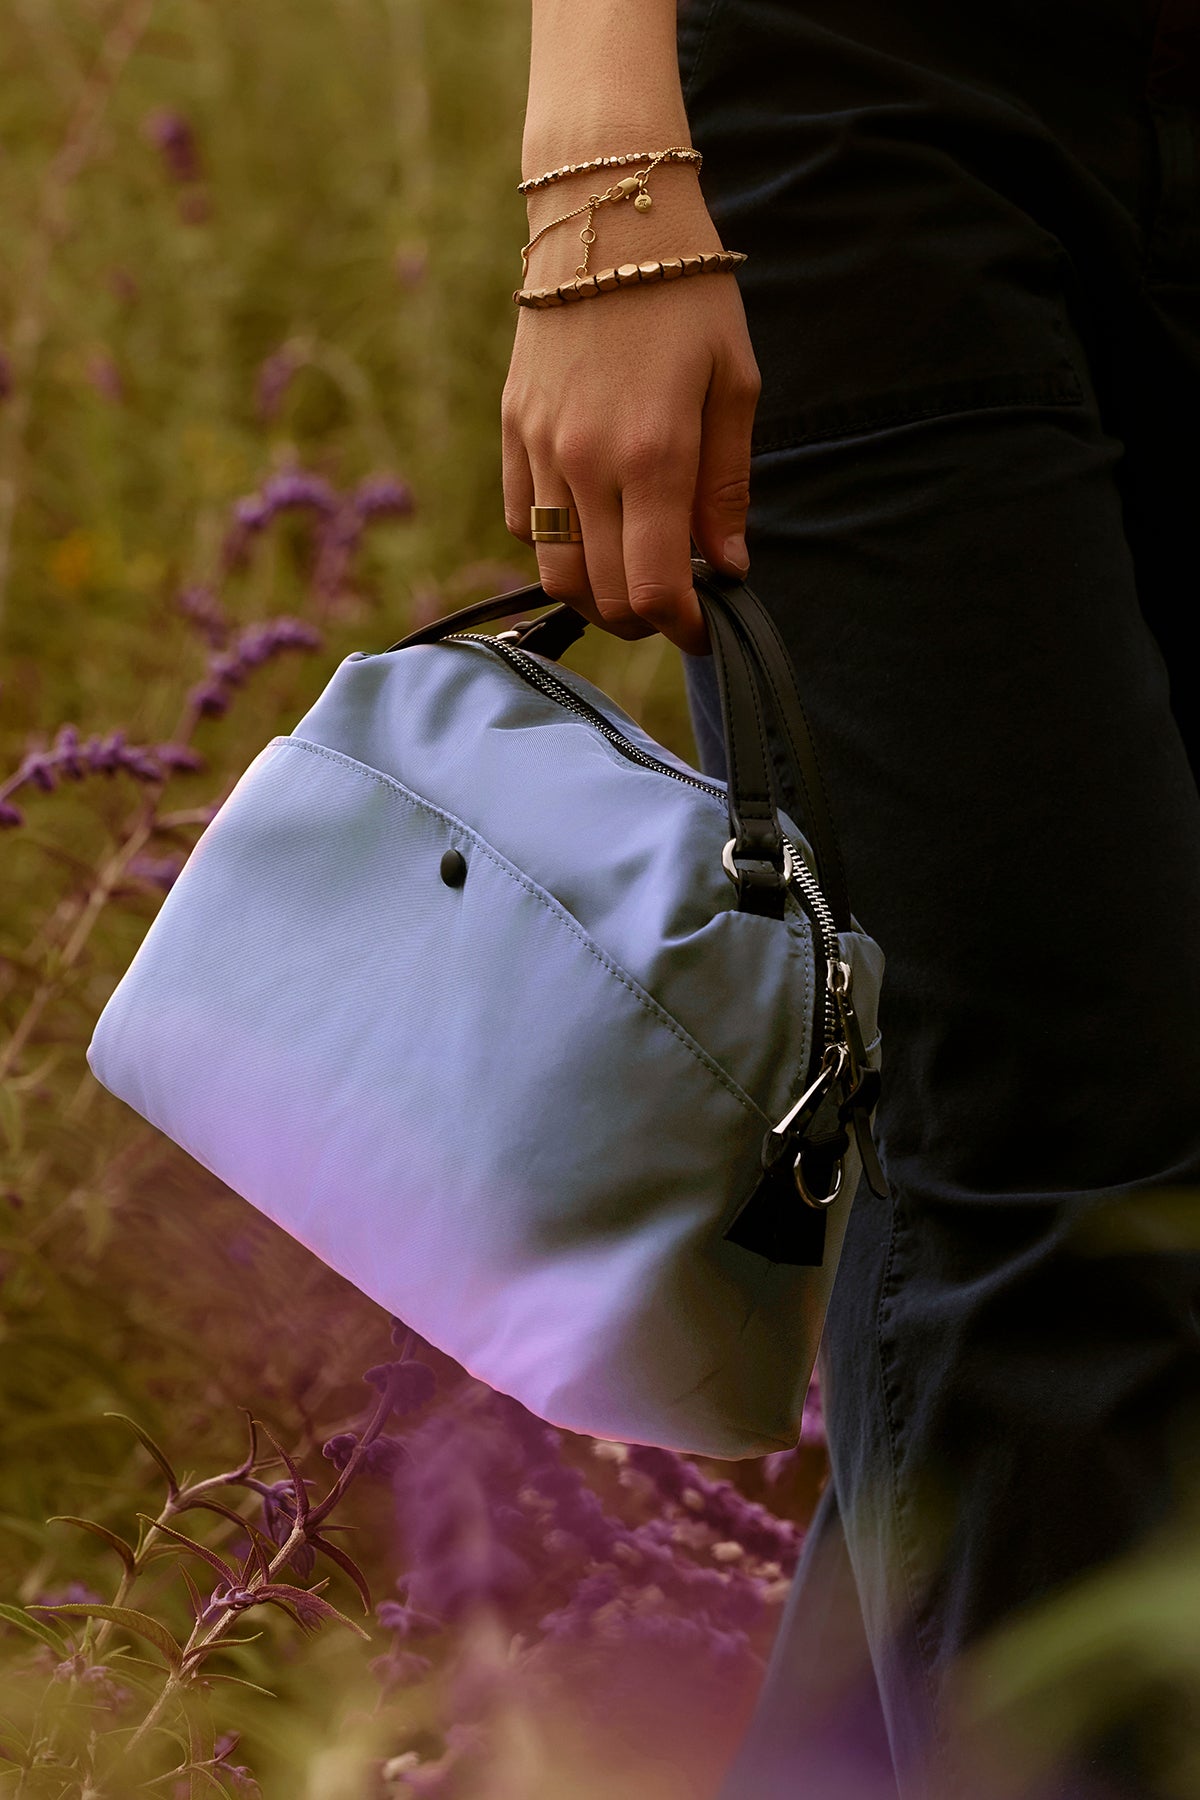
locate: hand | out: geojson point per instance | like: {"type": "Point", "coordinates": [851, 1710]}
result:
{"type": "Point", "coordinates": [636, 407]}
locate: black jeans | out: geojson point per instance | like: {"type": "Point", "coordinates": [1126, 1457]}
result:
{"type": "Point", "coordinates": [973, 289]}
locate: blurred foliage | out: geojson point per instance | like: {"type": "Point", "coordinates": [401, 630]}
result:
{"type": "Point", "coordinates": [239, 241]}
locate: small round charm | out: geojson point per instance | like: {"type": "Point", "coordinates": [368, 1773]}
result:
{"type": "Point", "coordinates": [643, 203]}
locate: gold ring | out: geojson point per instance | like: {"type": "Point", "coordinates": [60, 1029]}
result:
{"type": "Point", "coordinates": [554, 525]}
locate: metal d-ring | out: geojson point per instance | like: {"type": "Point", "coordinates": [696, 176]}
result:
{"type": "Point", "coordinates": [806, 1194]}
{"type": "Point", "coordinates": [727, 862]}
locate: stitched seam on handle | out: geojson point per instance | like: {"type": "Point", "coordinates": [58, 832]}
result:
{"type": "Point", "coordinates": [547, 900]}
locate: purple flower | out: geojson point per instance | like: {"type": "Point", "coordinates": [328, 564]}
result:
{"type": "Point", "coordinates": [410, 1383]}
{"type": "Point", "coordinates": [340, 1448]}
{"type": "Point", "coordinates": [406, 1621]}
{"type": "Point", "coordinates": [10, 814]}
{"type": "Point", "coordinates": [292, 490]}
{"type": "Point", "coordinates": [175, 140]}
{"type": "Point", "coordinates": [383, 496]}
{"type": "Point", "coordinates": [254, 645]}
{"type": "Point", "coordinates": [159, 871]}
{"type": "Point", "coordinates": [399, 1668]}
{"type": "Point", "coordinates": [200, 606]}
{"type": "Point", "coordinates": [228, 1598]}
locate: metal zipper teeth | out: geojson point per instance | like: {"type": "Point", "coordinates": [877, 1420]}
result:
{"type": "Point", "coordinates": [801, 878]}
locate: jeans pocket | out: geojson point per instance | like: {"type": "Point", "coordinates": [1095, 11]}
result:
{"type": "Point", "coordinates": [827, 419]}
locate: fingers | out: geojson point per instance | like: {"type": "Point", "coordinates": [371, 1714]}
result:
{"type": "Point", "coordinates": [657, 550]}
{"type": "Point", "coordinates": [646, 477]}
{"type": "Point", "coordinates": [722, 493]}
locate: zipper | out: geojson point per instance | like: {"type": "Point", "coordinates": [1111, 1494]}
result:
{"type": "Point", "coordinates": [837, 1047]}
{"type": "Point", "coordinates": [799, 876]}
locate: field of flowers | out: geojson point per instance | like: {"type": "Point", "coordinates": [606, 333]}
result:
{"type": "Point", "coordinates": [254, 1537]}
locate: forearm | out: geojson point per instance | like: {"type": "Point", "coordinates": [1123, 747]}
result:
{"type": "Point", "coordinates": [604, 80]}
{"type": "Point", "coordinates": [599, 71]}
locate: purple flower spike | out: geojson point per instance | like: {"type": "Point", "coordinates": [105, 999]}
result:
{"type": "Point", "coordinates": [298, 489]}
{"type": "Point", "coordinates": [173, 137]}
{"type": "Point", "coordinates": [10, 815]}
{"type": "Point", "coordinates": [411, 1383]}
{"type": "Point", "coordinates": [178, 756]}
{"type": "Point", "coordinates": [66, 753]}
{"type": "Point", "coordinates": [38, 768]}
{"type": "Point", "coordinates": [406, 1621]}
{"type": "Point", "coordinates": [291, 490]}
{"type": "Point", "coordinates": [383, 496]}
{"type": "Point", "coordinates": [200, 606]}
{"type": "Point", "coordinates": [160, 871]}
{"type": "Point", "coordinates": [254, 645]}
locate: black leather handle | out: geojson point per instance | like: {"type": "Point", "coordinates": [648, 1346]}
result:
{"type": "Point", "coordinates": [754, 672]}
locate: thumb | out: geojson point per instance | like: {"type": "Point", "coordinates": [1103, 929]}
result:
{"type": "Point", "coordinates": [723, 475]}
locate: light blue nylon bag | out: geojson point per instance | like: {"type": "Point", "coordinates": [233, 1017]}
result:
{"type": "Point", "coordinates": [461, 994]}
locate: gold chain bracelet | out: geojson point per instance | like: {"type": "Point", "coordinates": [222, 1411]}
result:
{"type": "Point", "coordinates": [712, 262]}
{"type": "Point", "coordinates": [677, 153]}
{"type": "Point", "coordinates": [630, 187]}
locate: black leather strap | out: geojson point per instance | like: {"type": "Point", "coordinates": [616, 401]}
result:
{"type": "Point", "coordinates": [753, 669]}
{"type": "Point", "coordinates": [776, 673]}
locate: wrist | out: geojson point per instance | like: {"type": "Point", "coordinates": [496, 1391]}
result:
{"type": "Point", "coordinates": [677, 223]}
{"type": "Point", "coordinates": [552, 139]}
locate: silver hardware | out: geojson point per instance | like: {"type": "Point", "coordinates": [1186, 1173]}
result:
{"type": "Point", "coordinates": [806, 1194]}
{"type": "Point", "coordinates": [526, 665]}
{"type": "Point", "coordinates": [832, 1064]}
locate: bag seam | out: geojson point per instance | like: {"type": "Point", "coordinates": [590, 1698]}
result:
{"type": "Point", "coordinates": [549, 903]}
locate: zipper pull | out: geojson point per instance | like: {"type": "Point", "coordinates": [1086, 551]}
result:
{"type": "Point", "coordinates": [814, 1129]}
{"type": "Point", "coordinates": [794, 1122]}
{"type": "Point", "coordinates": [864, 1084]}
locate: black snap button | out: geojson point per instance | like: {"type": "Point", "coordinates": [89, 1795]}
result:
{"type": "Point", "coordinates": [454, 868]}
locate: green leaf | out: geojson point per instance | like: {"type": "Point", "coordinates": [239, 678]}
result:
{"type": "Point", "coordinates": [148, 1443]}
{"type": "Point", "coordinates": [311, 1601]}
{"type": "Point", "coordinates": [344, 1562]}
{"type": "Point", "coordinates": [123, 1550]}
{"type": "Point", "coordinates": [240, 1681]}
{"type": "Point", "coordinates": [38, 1628]}
{"type": "Point", "coordinates": [224, 1569]}
{"type": "Point", "coordinates": [194, 1594]}
{"type": "Point", "coordinates": [140, 1623]}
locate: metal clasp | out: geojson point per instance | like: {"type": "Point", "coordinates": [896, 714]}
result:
{"type": "Point", "coordinates": [730, 867]}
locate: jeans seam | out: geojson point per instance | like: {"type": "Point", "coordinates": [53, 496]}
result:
{"type": "Point", "coordinates": [701, 46]}
{"type": "Point", "coordinates": [918, 1613]}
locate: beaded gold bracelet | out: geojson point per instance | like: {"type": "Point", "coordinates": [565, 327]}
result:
{"type": "Point", "coordinates": [712, 262]}
{"type": "Point", "coordinates": [677, 153]}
